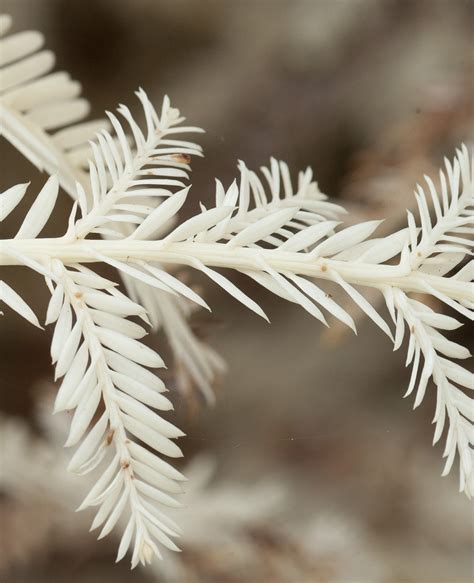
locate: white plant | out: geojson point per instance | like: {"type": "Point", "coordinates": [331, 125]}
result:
{"type": "Point", "coordinates": [284, 235]}
{"type": "Point", "coordinates": [229, 511]}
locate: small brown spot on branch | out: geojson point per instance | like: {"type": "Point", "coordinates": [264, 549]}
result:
{"type": "Point", "coordinates": [110, 436]}
{"type": "Point", "coordinates": [324, 267]}
{"type": "Point", "coordinates": [183, 158]}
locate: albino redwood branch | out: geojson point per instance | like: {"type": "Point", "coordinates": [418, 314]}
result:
{"type": "Point", "coordinates": [220, 255]}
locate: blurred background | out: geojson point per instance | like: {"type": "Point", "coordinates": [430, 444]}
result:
{"type": "Point", "coordinates": [311, 467]}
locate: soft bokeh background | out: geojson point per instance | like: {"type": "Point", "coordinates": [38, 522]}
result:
{"type": "Point", "coordinates": [330, 474]}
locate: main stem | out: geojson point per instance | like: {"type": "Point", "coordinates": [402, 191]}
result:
{"type": "Point", "coordinates": [220, 255]}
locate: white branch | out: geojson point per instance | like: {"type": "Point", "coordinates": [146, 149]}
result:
{"type": "Point", "coordinates": [220, 255]}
